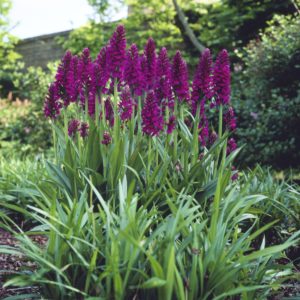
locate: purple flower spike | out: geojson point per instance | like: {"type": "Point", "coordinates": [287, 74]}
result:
{"type": "Point", "coordinates": [94, 76]}
{"type": "Point", "coordinates": [63, 67]}
{"type": "Point", "coordinates": [152, 118]}
{"type": "Point", "coordinates": [221, 77]}
{"type": "Point", "coordinates": [133, 71]}
{"type": "Point", "coordinates": [171, 124]}
{"type": "Point", "coordinates": [73, 127]}
{"type": "Point", "coordinates": [163, 86]}
{"type": "Point", "coordinates": [97, 82]}
{"type": "Point", "coordinates": [163, 64]}
{"type": "Point", "coordinates": [109, 112]}
{"type": "Point", "coordinates": [143, 63]}
{"type": "Point", "coordinates": [95, 87]}
{"type": "Point", "coordinates": [149, 64]}
{"type": "Point", "coordinates": [126, 104]}
{"type": "Point", "coordinates": [84, 69]}
{"type": "Point", "coordinates": [117, 52]}
{"type": "Point", "coordinates": [85, 65]}
{"type": "Point", "coordinates": [73, 80]}
{"type": "Point", "coordinates": [203, 81]}
{"type": "Point", "coordinates": [103, 75]}
{"type": "Point", "coordinates": [180, 78]}
{"type": "Point", "coordinates": [52, 105]}
{"type": "Point", "coordinates": [62, 77]}
{"type": "Point", "coordinates": [163, 93]}
{"type": "Point", "coordinates": [229, 118]}
{"type": "Point", "coordinates": [106, 138]}
{"type": "Point", "coordinates": [204, 74]}
{"type": "Point", "coordinates": [84, 129]}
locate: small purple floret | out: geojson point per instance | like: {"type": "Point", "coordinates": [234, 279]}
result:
{"type": "Point", "coordinates": [171, 124]}
{"type": "Point", "coordinates": [109, 112]}
{"type": "Point", "coordinates": [73, 127]}
{"type": "Point", "coordinates": [52, 105]}
{"type": "Point", "coordinates": [106, 138]}
{"type": "Point", "coordinates": [84, 129]}
{"type": "Point", "coordinates": [117, 53]}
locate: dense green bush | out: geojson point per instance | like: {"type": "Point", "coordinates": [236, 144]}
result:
{"type": "Point", "coordinates": [32, 83]}
{"type": "Point", "coordinates": [267, 95]}
{"type": "Point", "coordinates": [29, 133]}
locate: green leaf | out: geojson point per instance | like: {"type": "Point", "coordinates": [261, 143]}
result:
{"type": "Point", "coordinates": [153, 282]}
{"type": "Point", "coordinates": [58, 176]}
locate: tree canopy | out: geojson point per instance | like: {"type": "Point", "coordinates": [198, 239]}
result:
{"type": "Point", "coordinates": [192, 24]}
{"type": "Point", "coordinates": [7, 41]}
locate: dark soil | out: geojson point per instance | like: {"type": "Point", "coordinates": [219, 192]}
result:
{"type": "Point", "coordinates": [15, 264]}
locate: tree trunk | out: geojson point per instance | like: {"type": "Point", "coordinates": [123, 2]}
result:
{"type": "Point", "coordinates": [189, 32]}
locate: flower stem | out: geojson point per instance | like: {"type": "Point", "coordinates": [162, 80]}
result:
{"type": "Point", "coordinates": [220, 121]}
{"type": "Point", "coordinates": [54, 142]}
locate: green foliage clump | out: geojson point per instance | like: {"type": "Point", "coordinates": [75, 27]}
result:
{"type": "Point", "coordinates": [28, 133]}
{"type": "Point", "coordinates": [267, 95]}
{"type": "Point", "coordinates": [283, 200]}
{"type": "Point", "coordinates": [16, 174]}
{"type": "Point", "coordinates": [121, 248]}
{"type": "Point", "coordinates": [32, 83]}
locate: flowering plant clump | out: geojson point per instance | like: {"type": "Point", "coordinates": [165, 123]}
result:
{"type": "Point", "coordinates": [136, 108]}
{"type": "Point", "coordinates": [144, 83]}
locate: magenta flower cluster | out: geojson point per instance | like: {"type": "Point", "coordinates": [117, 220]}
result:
{"type": "Point", "coordinates": [75, 126]}
{"type": "Point", "coordinates": [149, 77]}
{"type": "Point", "coordinates": [152, 115]}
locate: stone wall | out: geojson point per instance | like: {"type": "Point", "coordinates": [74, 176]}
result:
{"type": "Point", "coordinates": [38, 51]}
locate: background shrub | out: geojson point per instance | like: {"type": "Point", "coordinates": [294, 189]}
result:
{"type": "Point", "coordinates": [24, 128]}
{"type": "Point", "coordinates": [267, 95]}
